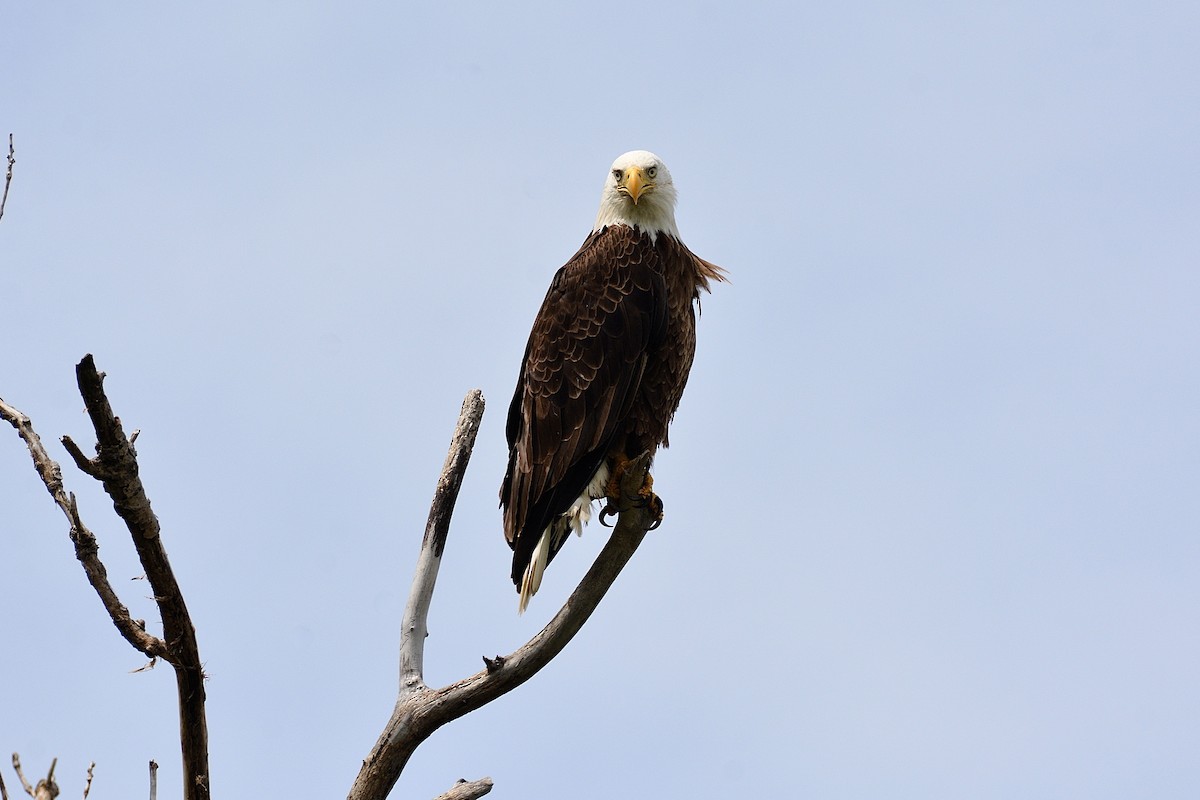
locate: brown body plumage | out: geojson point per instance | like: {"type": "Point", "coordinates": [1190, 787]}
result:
{"type": "Point", "coordinates": [603, 372]}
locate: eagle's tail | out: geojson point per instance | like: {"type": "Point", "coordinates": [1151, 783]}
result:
{"type": "Point", "coordinates": [531, 581]}
{"type": "Point", "coordinates": [573, 519]}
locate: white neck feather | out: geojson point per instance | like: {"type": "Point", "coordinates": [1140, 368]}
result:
{"type": "Point", "coordinates": [655, 213]}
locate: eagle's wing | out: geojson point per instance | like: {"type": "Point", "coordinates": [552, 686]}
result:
{"type": "Point", "coordinates": [583, 365]}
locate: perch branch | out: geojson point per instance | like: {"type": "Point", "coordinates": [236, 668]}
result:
{"type": "Point", "coordinates": [420, 710]}
{"type": "Point", "coordinates": [87, 788]}
{"type": "Point", "coordinates": [467, 790]}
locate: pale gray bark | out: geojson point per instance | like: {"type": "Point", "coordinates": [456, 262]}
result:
{"type": "Point", "coordinates": [467, 790]}
{"type": "Point", "coordinates": [46, 788]}
{"type": "Point", "coordinates": [420, 710]}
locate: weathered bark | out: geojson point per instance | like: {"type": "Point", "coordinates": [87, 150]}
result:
{"type": "Point", "coordinates": [467, 790]}
{"type": "Point", "coordinates": [419, 710]}
{"type": "Point", "coordinates": [46, 788]}
{"type": "Point", "coordinates": [116, 467]}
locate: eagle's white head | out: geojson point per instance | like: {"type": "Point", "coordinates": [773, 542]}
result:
{"type": "Point", "coordinates": [639, 191]}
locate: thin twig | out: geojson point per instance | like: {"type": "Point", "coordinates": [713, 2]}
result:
{"type": "Point", "coordinates": [8, 175]}
{"type": "Point", "coordinates": [153, 779]}
{"type": "Point", "coordinates": [86, 548]}
{"type": "Point", "coordinates": [16, 762]}
{"type": "Point", "coordinates": [46, 788]}
{"type": "Point", "coordinates": [88, 787]}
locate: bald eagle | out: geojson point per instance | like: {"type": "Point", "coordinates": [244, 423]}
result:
{"type": "Point", "coordinates": [605, 365]}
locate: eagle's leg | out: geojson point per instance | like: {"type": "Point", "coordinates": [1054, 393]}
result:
{"type": "Point", "coordinates": [645, 496]}
{"type": "Point", "coordinates": [618, 462]}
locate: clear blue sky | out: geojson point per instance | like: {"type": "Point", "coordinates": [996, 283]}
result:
{"type": "Point", "coordinates": [932, 504]}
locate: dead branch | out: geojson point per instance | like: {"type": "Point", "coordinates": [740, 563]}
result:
{"type": "Point", "coordinates": [467, 790]}
{"type": "Point", "coordinates": [414, 628]}
{"type": "Point", "coordinates": [116, 467]}
{"type": "Point", "coordinates": [419, 710]}
{"type": "Point", "coordinates": [86, 548]}
{"type": "Point", "coordinates": [46, 788]}
{"type": "Point", "coordinates": [16, 762]}
{"type": "Point", "coordinates": [8, 175]}
{"type": "Point", "coordinates": [87, 788]}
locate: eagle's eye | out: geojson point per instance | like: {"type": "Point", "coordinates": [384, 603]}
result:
{"type": "Point", "coordinates": [652, 172]}
{"type": "Point", "coordinates": [617, 175]}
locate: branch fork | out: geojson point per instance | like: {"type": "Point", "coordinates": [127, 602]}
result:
{"type": "Point", "coordinates": [115, 465]}
{"type": "Point", "coordinates": [420, 710]}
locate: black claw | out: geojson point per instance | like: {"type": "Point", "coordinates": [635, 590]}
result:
{"type": "Point", "coordinates": [607, 511]}
{"type": "Point", "coordinates": [656, 505]}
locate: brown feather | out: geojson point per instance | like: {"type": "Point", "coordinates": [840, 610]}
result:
{"type": "Point", "coordinates": [604, 370]}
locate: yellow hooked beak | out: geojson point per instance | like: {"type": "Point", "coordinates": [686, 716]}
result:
{"type": "Point", "coordinates": [636, 183]}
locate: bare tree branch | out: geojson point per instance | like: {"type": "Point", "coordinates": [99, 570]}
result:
{"type": "Point", "coordinates": [467, 790]}
{"type": "Point", "coordinates": [46, 788]}
{"type": "Point", "coordinates": [419, 710]}
{"type": "Point", "coordinates": [16, 762]}
{"type": "Point", "coordinates": [86, 548]}
{"type": "Point", "coordinates": [8, 175]}
{"type": "Point", "coordinates": [115, 465]}
{"type": "Point", "coordinates": [414, 628]}
{"type": "Point", "coordinates": [88, 786]}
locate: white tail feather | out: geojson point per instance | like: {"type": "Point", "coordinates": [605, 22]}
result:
{"type": "Point", "coordinates": [531, 581]}
{"type": "Point", "coordinates": [573, 519]}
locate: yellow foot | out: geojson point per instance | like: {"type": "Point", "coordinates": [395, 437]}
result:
{"type": "Point", "coordinates": [616, 472]}
{"type": "Point", "coordinates": [653, 502]}
{"type": "Point", "coordinates": [620, 499]}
